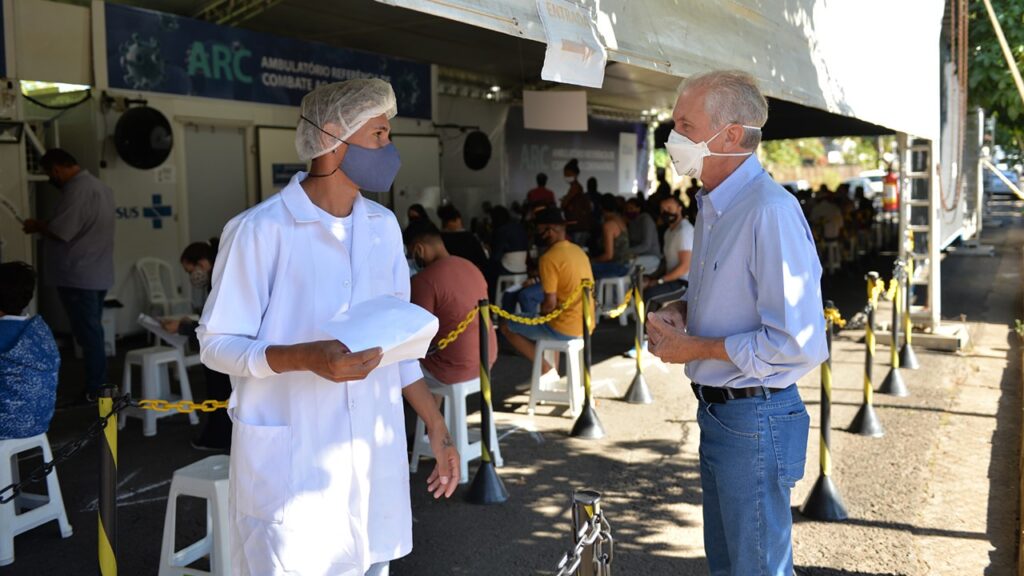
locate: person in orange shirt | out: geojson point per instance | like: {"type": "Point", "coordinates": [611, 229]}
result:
{"type": "Point", "coordinates": [563, 267]}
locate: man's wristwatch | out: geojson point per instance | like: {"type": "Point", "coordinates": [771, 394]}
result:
{"type": "Point", "coordinates": [661, 281]}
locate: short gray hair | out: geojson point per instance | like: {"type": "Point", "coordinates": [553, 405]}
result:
{"type": "Point", "coordinates": [731, 96]}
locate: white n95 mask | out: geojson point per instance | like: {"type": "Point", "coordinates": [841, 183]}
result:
{"type": "Point", "coordinates": [688, 156]}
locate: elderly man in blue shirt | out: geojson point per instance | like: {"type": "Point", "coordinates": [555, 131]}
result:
{"type": "Point", "coordinates": [749, 327]}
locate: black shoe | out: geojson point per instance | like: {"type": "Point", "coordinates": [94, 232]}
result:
{"type": "Point", "coordinates": [196, 445]}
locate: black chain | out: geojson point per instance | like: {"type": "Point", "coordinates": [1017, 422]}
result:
{"type": "Point", "coordinates": [66, 451]}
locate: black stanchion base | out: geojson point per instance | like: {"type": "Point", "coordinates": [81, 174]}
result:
{"type": "Point", "coordinates": [866, 423]}
{"type": "Point", "coordinates": [588, 425]}
{"type": "Point", "coordinates": [893, 384]}
{"type": "Point", "coordinates": [908, 359]}
{"type": "Point", "coordinates": [824, 502]}
{"type": "Point", "coordinates": [487, 487]}
{"type": "Point", "coordinates": [638, 392]}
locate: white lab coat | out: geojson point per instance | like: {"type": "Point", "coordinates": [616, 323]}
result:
{"type": "Point", "coordinates": [319, 481]}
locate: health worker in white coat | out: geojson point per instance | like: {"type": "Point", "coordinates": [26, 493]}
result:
{"type": "Point", "coordinates": [319, 481]}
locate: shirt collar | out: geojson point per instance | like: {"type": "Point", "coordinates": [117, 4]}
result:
{"type": "Point", "coordinates": [303, 209]}
{"type": "Point", "coordinates": [723, 196]}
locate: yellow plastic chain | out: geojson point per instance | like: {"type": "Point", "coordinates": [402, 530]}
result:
{"type": "Point", "coordinates": [877, 288]}
{"type": "Point", "coordinates": [547, 317]}
{"type": "Point", "coordinates": [891, 292]}
{"type": "Point", "coordinates": [454, 334]}
{"type": "Point", "coordinates": [835, 317]}
{"type": "Point", "coordinates": [621, 308]}
{"type": "Point", "coordinates": [183, 406]}
{"type": "Point", "coordinates": [464, 325]}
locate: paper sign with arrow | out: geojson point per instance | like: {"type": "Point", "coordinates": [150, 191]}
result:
{"type": "Point", "coordinates": [575, 54]}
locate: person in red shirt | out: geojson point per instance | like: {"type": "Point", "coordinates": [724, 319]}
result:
{"type": "Point", "coordinates": [448, 287]}
{"type": "Point", "coordinates": [541, 195]}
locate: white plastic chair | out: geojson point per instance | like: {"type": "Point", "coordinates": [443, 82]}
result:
{"type": "Point", "coordinates": [551, 392]}
{"type": "Point", "coordinates": [161, 291]}
{"type": "Point", "coordinates": [206, 479]}
{"type": "Point", "coordinates": [154, 363]}
{"type": "Point", "coordinates": [610, 293]}
{"type": "Point", "coordinates": [514, 262]}
{"type": "Point", "coordinates": [28, 510]}
{"type": "Point", "coordinates": [456, 420]}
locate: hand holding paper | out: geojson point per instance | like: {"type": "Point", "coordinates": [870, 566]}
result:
{"type": "Point", "coordinates": [402, 330]}
{"type": "Point", "coordinates": [334, 361]}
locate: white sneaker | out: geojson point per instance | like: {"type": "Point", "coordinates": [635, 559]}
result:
{"type": "Point", "coordinates": [549, 378]}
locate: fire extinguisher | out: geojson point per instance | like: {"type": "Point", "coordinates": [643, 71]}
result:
{"type": "Point", "coordinates": [890, 191]}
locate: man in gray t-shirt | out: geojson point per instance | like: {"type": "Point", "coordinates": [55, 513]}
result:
{"type": "Point", "coordinates": [79, 243]}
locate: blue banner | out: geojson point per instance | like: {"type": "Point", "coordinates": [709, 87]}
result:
{"type": "Point", "coordinates": [158, 52]}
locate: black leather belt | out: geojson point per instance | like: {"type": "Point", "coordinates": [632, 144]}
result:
{"type": "Point", "coordinates": [718, 395]}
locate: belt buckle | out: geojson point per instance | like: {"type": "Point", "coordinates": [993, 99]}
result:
{"type": "Point", "coordinates": [711, 394]}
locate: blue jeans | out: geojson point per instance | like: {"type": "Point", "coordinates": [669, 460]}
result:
{"type": "Point", "coordinates": [529, 300]}
{"type": "Point", "coordinates": [538, 332]}
{"type": "Point", "coordinates": [608, 270]}
{"type": "Point", "coordinates": [752, 453]}
{"type": "Point", "coordinates": [85, 311]}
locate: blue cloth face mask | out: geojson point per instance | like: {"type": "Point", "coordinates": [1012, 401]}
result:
{"type": "Point", "coordinates": [371, 169]}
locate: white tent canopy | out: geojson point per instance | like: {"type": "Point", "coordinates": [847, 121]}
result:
{"type": "Point", "coordinates": [874, 60]}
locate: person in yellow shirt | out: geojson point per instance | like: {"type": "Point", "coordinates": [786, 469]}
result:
{"type": "Point", "coordinates": [563, 267]}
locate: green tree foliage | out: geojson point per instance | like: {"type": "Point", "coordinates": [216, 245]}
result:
{"type": "Point", "coordinates": [796, 152]}
{"type": "Point", "coordinates": [990, 84]}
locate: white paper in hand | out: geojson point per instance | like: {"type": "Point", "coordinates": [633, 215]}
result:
{"type": "Point", "coordinates": [402, 330]}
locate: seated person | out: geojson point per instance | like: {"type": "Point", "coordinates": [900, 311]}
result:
{"type": "Point", "coordinates": [509, 237]}
{"type": "Point", "coordinates": [29, 359]}
{"type": "Point", "coordinates": [417, 212]}
{"type": "Point", "coordinates": [459, 241]}
{"type": "Point", "coordinates": [448, 287]}
{"type": "Point", "coordinates": [197, 260]}
{"type": "Point", "coordinates": [613, 260]}
{"type": "Point", "coordinates": [643, 236]}
{"type": "Point", "coordinates": [563, 267]}
{"type": "Point", "coordinates": [678, 248]}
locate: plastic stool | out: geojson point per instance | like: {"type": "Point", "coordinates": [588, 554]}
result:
{"type": "Point", "coordinates": [36, 509]}
{"type": "Point", "coordinates": [833, 256]}
{"type": "Point", "coordinates": [506, 281]}
{"type": "Point", "coordinates": [455, 418]}
{"type": "Point", "coordinates": [610, 293]}
{"type": "Point", "coordinates": [155, 384]}
{"type": "Point", "coordinates": [572, 394]}
{"type": "Point", "coordinates": [207, 479]}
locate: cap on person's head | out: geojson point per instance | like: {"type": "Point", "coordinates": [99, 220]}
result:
{"type": "Point", "coordinates": [420, 230]}
{"type": "Point", "coordinates": [550, 216]}
{"type": "Point", "coordinates": [334, 112]}
{"type": "Point", "coordinates": [17, 285]}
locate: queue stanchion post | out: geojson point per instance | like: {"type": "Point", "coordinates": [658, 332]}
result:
{"type": "Point", "coordinates": [893, 384]}
{"type": "Point", "coordinates": [587, 425]}
{"type": "Point", "coordinates": [108, 485]}
{"type": "Point", "coordinates": [487, 487]}
{"type": "Point", "coordinates": [638, 392]}
{"type": "Point", "coordinates": [908, 358]}
{"type": "Point", "coordinates": [824, 501]}
{"type": "Point", "coordinates": [866, 423]}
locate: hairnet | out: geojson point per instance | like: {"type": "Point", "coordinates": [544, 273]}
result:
{"type": "Point", "coordinates": [339, 110]}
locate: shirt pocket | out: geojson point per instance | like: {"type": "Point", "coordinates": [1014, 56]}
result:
{"type": "Point", "coordinates": [261, 466]}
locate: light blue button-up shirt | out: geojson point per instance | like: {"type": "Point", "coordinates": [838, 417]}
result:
{"type": "Point", "coordinates": [756, 282]}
